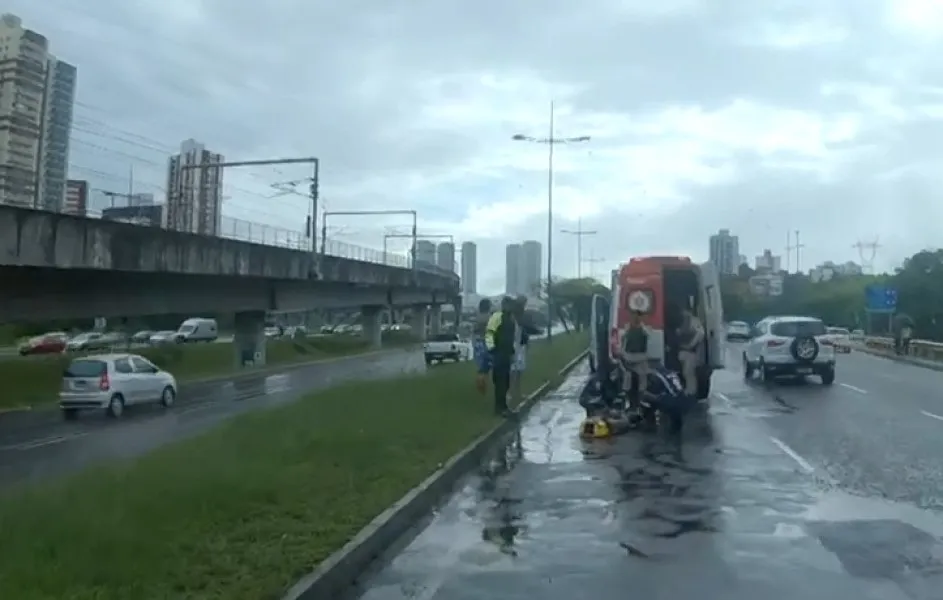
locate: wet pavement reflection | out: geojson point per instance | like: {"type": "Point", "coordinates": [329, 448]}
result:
{"type": "Point", "coordinates": [50, 448]}
{"type": "Point", "coordinates": [723, 512]}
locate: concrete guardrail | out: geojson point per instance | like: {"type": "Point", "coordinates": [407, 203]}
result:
{"type": "Point", "coordinates": [923, 349]}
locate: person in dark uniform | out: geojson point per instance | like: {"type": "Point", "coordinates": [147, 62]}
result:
{"type": "Point", "coordinates": [500, 338]}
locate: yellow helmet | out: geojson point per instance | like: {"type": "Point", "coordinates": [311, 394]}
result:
{"type": "Point", "coordinates": [595, 427]}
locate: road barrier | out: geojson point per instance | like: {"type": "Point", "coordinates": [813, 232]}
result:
{"type": "Point", "coordinates": [924, 349]}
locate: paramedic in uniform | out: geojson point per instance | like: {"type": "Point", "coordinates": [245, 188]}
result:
{"type": "Point", "coordinates": [634, 347]}
{"type": "Point", "coordinates": [690, 337]}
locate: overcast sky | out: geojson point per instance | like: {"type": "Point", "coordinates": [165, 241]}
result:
{"type": "Point", "coordinates": [757, 116]}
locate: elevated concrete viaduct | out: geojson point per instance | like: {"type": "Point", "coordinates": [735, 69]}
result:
{"type": "Point", "coordinates": [55, 266]}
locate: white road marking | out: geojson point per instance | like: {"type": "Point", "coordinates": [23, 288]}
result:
{"type": "Point", "coordinates": [40, 443]}
{"type": "Point", "coordinates": [724, 398]}
{"type": "Point", "coordinates": [853, 388]}
{"type": "Point", "coordinates": [803, 463]}
{"type": "Point", "coordinates": [931, 415]}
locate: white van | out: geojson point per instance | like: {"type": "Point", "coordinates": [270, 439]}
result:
{"type": "Point", "coordinates": [197, 330]}
{"type": "Point", "coordinates": [657, 287]}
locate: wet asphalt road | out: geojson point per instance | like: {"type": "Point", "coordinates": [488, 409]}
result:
{"type": "Point", "coordinates": [33, 447]}
{"type": "Point", "coordinates": [782, 492]}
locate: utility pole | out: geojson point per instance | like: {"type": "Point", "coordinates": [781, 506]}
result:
{"type": "Point", "coordinates": [579, 232]}
{"type": "Point", "coordinates": [593, 261]}
{"type": "Point", "coordinates": [788, 251]}
{"type": "Point", "coordinates": [313, 192]}
{"type": "Point", "coordinates": [551, 141]}
{"type": "Point", "coordinates": [799, 248]}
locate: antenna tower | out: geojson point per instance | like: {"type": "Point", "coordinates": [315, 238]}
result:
{"type": "Point", "coordinates": [867, 252]}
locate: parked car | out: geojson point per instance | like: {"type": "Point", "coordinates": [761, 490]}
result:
{"type": "Point", "coordinates": [162, 337]}
{"type": "Point", "coordinates": [790, 346]}
{"type": "Point", "coordinates": [113, 382]}
{"type": "Point", "coordinates": [327, 329]}
{"type": "Point", "coordinates": [142, 337]}
{"type": "Point", "coordinates": [48, 343]}
{"type": "Point", "coordinates": [445, 346]}
{"type": "Point", "coordinates": [91, 340]}
{"type": "Point", "coordinates": [197, 330]}
{"type": "Point", "coordinates": [274, 332]}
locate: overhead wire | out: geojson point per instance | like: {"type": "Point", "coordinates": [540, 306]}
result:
{"type": "Point", "coordinates": [143, 142]}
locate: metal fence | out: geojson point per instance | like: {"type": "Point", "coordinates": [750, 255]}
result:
{"type": "Point", "coordinates": [269, 235]}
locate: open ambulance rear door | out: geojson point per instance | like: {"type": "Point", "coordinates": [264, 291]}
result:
{"type": "Point", "coordinates": [599, 334]}
{"type": "Point", "coordinates": [713, 315]}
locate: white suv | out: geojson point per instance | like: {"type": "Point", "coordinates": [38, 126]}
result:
{"type": "Point", "coordinates": [790, 346]}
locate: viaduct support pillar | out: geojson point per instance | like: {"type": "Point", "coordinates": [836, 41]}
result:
{"type": "Point", "coordinates": [372, 320]}
{"type": "Point", "coordinates": [249, 339]}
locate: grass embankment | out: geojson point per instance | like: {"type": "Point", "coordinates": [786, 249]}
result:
{"type": "Point", "coordinates": [35, 380]}
{"type": "Point", "coordinates": [245, 510]}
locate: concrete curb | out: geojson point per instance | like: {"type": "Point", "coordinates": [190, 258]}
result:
{"type": "Point", "coordinates": [341, 570]}
{"type": "Point", "coordinates": [907, 360]}
{"type": "Point", "coordinates": [49, 412]}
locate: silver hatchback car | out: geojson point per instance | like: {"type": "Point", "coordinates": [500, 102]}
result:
{"type": "Point", "coordinates": [113, 382]}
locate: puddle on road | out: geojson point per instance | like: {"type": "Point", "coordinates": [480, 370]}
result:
{"type": "Point", "coordinates": [724, 508]}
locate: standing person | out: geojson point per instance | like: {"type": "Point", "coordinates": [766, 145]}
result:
{"type": "Point", "coordinates": [690, 338]}
{"type": "Point", "coordinates": [480, 351]}
{"type": "Point", "coordinates": [634, 358]}
{"type": "Point", "coordinates": [521, 340]}
{"type": "Point", "coordinates": [499, 339]}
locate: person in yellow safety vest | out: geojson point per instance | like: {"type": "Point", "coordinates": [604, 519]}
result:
{"type": "Point", "coordinates": [500, 336]}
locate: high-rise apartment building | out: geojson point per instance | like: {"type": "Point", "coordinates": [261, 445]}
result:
{"type": "Point", "coordinates": [445, 256]}
{"type": "Point", "coordinates": [23, 58]}
{"type": "Point", "coordinates": [195, 190]}
{"type": "Point", "coordinates": [53, 164]}
{"type": "Point", "coordinates": [725, 252]}
{"type": "Point", "coordinates": [470, 268]}
{"type": "Point", "coordinates": [530, 282]}
{"type": "Point", "coordinates": [512, 269]}
{"type": "Point", "coordinates": [76, 198]}
{"type": "Point", "coordinates": [425, 252]}
{"type": "Point", "coordinates": [768, 262]}
{"type": "Point", "coordinates": [522, 269]}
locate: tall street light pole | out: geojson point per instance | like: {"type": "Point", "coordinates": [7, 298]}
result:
{"type": "Point", "coordinates": [551, 141]}
{"type": "Point", "coordinates": [579, 232]}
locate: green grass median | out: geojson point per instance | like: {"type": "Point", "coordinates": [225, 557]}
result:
{"type": "Point", "coordinates": [35, 380]}
{"type": "Point", "coordinates": [242, 512]}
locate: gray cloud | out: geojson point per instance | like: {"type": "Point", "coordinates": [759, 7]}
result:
{"type": "Point", "coordinates": [352, 82]}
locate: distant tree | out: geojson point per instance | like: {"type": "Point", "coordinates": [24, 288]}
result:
{"type": "Point", "coordinates": [571, 300]}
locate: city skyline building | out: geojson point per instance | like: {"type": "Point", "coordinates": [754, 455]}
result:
{"type": "Point", "coordinates": [725, 252]}
{"type": "Point", "coordinates": [445, 256]}
{"type": "Point", "coordinates": [768, 262]}
{"type": "Point", "coordinates": [195, 194]}
{"type": "Point", "coordinates": [512, 269]}
{"type": "Point", "coordinates": [530, 269]}
{"type": "Point", "coordinates": [426, 252]}
{"type": "Point", "coordinates": [469, 270]}
{"type": "Point", "coordinates": [23, 55]}
{"type": "Point", "coordinates": [55, 134]}
{"type": "Point", "coordinates": [76, 198]}
{"type": "Point", "coordinates": [523, 268]}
